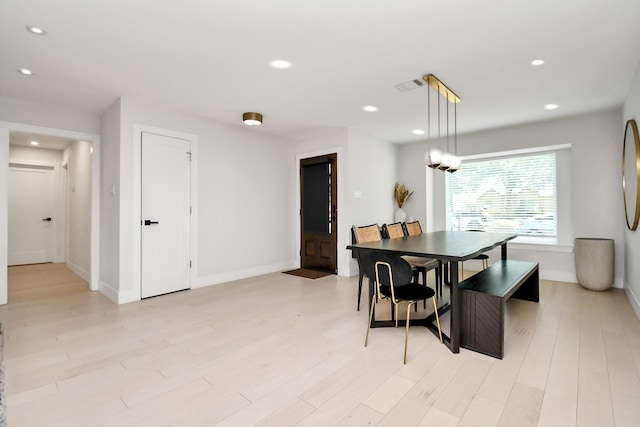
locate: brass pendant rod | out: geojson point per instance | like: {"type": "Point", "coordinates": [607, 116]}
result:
{"type": "Point", "coordinates": [435, 83]}
{"type": "Point", "coordinates": [448, 127]}
{"type": "Point", "coordinates": [429, 120]}
{"type": "Point", "coordinates": [439, 122]}
{"type": "Point", "coordinates": [455, 130]}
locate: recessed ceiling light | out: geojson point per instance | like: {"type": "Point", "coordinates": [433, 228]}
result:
{"type": "Point", "coordinates": [537, 62]}
{"type": "Point", "coordinates": [25, 71]}
{"type": "Point", "coordinates": [370, 108]}
{"type": "Point", "coordinates": [280, 64]}
{"type": "Point", "coordinates": [34, 143]}
{"type": "Point", "coordinates": [418, 132]}
{"type": "Point", "coordinates": [551, 106]}
{"type": "Point", "coordinates": [36, 30]}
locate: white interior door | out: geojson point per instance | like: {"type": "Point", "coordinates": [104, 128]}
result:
{"type": "Point", "coordinates": [165, 214]}
{"type": "Point", "coordinates": [31, 207]}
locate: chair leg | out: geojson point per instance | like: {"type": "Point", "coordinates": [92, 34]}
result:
{"type": "Point", "coordinates": [424, 282]}
{"type": "Point", "coordinates": [396, 306]}
{"type": "Point", "coordinates": [416, 279]}
{"type": "Point", "coordinates": [373, 305]}
{"type": "Point", "coordinates": [435, 308]}
{"type": "Point", "coordinates": [406, 335]}
{"type": "Point", "coordinates": [360, 277]}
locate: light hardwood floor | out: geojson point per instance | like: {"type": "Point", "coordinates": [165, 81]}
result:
{"type": "Point", "coordinates": [279, 350]}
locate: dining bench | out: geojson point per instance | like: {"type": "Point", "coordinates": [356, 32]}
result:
{"type": "Point", "coordinates": [483, 297]}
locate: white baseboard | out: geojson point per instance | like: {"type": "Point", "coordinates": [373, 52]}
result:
{"type": "Point", "coordinates": [217, 279]}
{"type": "Point", "coordinates": [633, 300]}
{"type": "Point", "coordinates": [84, 274]}
{"type": "Point", "coordinates": [123, 297]}
{"type": "Point", "coordinates": [118, 297]}
{"type": "Point", "coordinates": [109, 292]}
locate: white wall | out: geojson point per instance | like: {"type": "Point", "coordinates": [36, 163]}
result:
{"type": "Point", "coordinates": [596, 199]}
{"type": "Point", "coordinates": [412, 173]}
{"type": "Point", "coordinates": [53, 116]}
{"type": "Point", "coordinates": [373, 172]}
{"type": "Point", "coordinates": [19, 153]}
{"type": "Point", "coordinates": [631, 110]}
{"type": "Point", "coordinates": [246, 203]}
{"type": "Point", "coordinates": [78, 156]}
{"type": "Point", "coordinates": [109, 198]}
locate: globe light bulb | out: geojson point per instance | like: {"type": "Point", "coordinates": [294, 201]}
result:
{"type": "Point", "coordinates": [446, 161]}
{"type": "Point", "coordinates": [455, 164]}
{"type": "Point", "coordinates": [435, 158]}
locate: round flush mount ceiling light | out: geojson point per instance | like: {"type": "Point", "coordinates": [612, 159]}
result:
{"type": "Point", "coordinates": [417, 132]}
{"type": "Point", "coordinates": [252, 119]}
{"type": "Point", "coordinates": [36, 30]}
{"type": "Point", "coordinates": [280, 64]}
{"type": "Point", "coordinates": [34, 143]}
{"type": "Point", "coordinates": [370, 108]}
{"type": "Point", "coordinates": [551, 106]}
{"type": "Point", "coordinates": [25, 71]}
{"type": "Point", "coordinates": [537, 62]}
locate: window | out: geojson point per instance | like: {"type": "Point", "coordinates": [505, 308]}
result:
{"type": "Point", "coordinates": [515, 194]}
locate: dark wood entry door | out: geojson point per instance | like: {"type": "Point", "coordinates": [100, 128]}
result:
{"type": "Point", "coordinates": [319, 213]}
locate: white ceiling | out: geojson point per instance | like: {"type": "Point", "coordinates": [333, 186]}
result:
{"type": "Point", "coordinates": [211, 58]}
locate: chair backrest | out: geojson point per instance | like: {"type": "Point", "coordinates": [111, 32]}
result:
{"type": "Point", "coordinates": [413, 228]}
{"type": "Point", "coordinates": [368, 233]}
{"type": "Point", "coordinates": [388, 269]}
{"type": "Point", "coordinates": [393, 231]}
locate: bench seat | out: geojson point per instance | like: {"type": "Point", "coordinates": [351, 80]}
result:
{"type": "Point", "coordinates": [483, 297]}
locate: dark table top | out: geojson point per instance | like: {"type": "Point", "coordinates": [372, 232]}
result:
{"type": "Point", "coordinates": [444, 245]}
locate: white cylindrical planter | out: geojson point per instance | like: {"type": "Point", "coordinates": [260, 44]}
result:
{"type": "Point", "coordinates": [594, 262]}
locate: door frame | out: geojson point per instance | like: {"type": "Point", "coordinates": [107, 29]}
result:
{"type": "Point", "coordinates": [5, 130]}
{"type": "Point", "coordinates": [134, 294]}
{"type": "Point", "coordinates": [343, 233]}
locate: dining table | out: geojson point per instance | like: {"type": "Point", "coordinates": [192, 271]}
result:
{"type": "Point", "coordinates": [450, 247]}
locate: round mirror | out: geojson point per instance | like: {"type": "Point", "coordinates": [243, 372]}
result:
{"type": "Point", "coordinates": [631, 174]}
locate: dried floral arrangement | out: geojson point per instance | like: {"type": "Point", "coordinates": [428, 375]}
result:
{"type": "Point", "coordinates": [401, 194]}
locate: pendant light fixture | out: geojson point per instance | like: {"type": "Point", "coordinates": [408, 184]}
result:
{"type": "Point", "coordinates": [434, 157]}
{"type": "Point", "coordinates": [252, 119]}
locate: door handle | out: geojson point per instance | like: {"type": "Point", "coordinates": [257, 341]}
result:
{"type": "Point", "coordinates": [47, 219]}
{"type": "Point", "coordinates": [149, 222]}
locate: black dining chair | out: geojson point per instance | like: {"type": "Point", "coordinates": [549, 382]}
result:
{"type": "Point", "coordinates": [393, 281]}
{"type": "Point", "coordinates": [367, 233]}
{"type": "Point", "coordinates": [422, 265]}
{"type": "Point", "coordinates": [393, 231]}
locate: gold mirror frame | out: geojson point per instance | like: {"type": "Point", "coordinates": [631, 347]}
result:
{"type": "Point", "coordinates": [631, 130]}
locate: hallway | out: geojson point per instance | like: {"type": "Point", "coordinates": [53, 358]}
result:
{"type": "Point", "coordinates": [40, 281]}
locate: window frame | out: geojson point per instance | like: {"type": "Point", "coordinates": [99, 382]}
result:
{"type": "Point", "coordinates": [562, 188]}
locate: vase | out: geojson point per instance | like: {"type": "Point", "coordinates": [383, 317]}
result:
{"type": "Point", "coordinates": [400, 216]}
{"type": "Point", "coordinates": [594, 259]}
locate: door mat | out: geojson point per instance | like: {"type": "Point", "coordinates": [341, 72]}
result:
{"type": "Point", "coordinates": [309, 274]}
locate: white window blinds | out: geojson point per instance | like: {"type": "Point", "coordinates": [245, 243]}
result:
{"type": "Point", "coordinates": [507, 194]}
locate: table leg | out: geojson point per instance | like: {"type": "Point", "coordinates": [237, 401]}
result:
{"type": "Point", "coordinates": [455, 308]}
